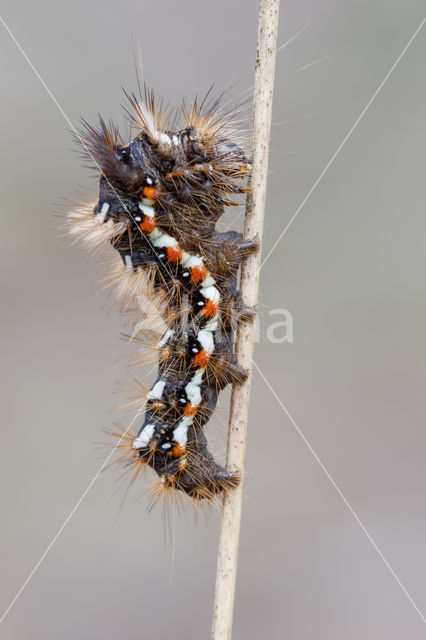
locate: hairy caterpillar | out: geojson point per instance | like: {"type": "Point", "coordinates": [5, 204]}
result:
{"type": "Point", "coordinates": [160, 197]}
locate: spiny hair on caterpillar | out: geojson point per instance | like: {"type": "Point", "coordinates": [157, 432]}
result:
{"type": "Point", "coordinates": [137, 289]}
{"type": "Point", "coordinates": [89, 229]}
{"type": "Point", "coordinates": [135, 393]}
{"type": "Point", "coordinates": [165, 192]}
{"type": "Point", "coordinates": [135, 286]}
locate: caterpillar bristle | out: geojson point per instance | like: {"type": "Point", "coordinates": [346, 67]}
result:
{"type": "Point", "coordinates": [126, 286]}
{"type": "Point", "coordinates": [148, 349]}
{"type": "Point", "coordinates": [135, 393]}
{"type": "Point", "coordinates": [124, 454]}
{"type": "Point", "coordinates": [99, 145]}
{"type": "Point", "coordinates": [84, 227]}
{"type": "Point", "coordinates": [148, 115]}
{"type": "Point", "coordinates": [162, 491]}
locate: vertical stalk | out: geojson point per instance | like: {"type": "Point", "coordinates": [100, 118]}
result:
{"type": "Point", "coordinates": [255, 209]}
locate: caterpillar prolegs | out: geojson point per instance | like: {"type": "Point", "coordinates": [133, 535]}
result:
{"type": "Point", "coordinates": [160, 197]}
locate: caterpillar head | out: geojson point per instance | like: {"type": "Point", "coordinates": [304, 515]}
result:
{"type": "Point", "coordinates": [131, 169]}
{"type": "Point", "coordinates": [205, 155]}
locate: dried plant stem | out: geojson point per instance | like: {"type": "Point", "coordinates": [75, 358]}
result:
{"type": "Point", "coordinates": [262, 112]}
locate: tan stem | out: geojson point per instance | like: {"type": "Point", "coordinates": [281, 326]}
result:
{"type": "Point", "coordinates": [249, 287]}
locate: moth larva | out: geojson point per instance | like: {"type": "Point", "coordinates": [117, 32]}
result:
{"type": "Point", "coordinates": [160, 198]}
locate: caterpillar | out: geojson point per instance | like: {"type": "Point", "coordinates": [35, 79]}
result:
{"type": "Point", "coordinates": [160, 197]}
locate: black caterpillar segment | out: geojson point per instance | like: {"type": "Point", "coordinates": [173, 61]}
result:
{"type": "Point", "coordinates": [160, 198]}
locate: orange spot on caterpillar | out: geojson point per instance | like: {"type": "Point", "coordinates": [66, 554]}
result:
{"type": "Point", "coordinates": [210, 309]}
{"type": "Point", "coordinates": [198, 273]}
{"type": "Point", "coordinates": [201, 359]}
{"type": "Point", "coordinates": [125, 146]}
{"type": "Point", "coordinates": [174, 254]}
{"type": "Point", "coordinates": [150, 192]}
{"type": "Point", "coordinates": [189, 409]}
{"type": "Point", "coordinates": [178, 450]}
{"type": "Point", "coordinates": [148, 224]}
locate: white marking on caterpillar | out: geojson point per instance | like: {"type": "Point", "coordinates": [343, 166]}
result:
{"type": "Point", "coordinates": [164, 240]}
{"type": "Point", "coordinates": [194, 261]}
{"type": "Point", "coordinates": [180, 434]}
{"type": "Point", "coordinates": [129, 263]}
{"type": "Point", "coordinates": [100, 217]}
{"type": "Point", "coordinates": [198, 376]}
{"type": "Point", "coordinates": [155, 233]}
{"type": "Point", "coordinates": [164, 138]}
{"type": "Point", "coordinates": [205, 338]}
{"type": "Point", "coordinates": [166, 445]}
{"type": "Point", "coordinates": [208, 281]}
{"type": "Point", "coordinates": [165, 337]}
{"type": "Point", "coordinates": [211, 325]}
{"type": "Point", "coordinates": [193, 391]}
{"type": "Point", "coordinates": [157, 390]}
{"type": "Point", "coordinates": [144, 437]}
{"type": "Point", "coordinates": [185, 256]}
{"type": "Point", "coordinates": [211, 293]}
{"type": "Point", "coordinates": [148, 181]}
{"type": "Point", "coordinates": [146, 209]}
{"type": "Point", "coordinates": [188, 260]}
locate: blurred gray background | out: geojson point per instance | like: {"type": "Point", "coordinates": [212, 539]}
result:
{"type": "Point", "coordinates": [350, 270]}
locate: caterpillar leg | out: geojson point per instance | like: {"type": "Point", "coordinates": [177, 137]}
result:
{"type": "Point", "coordinates": [246, 313]}
{"type": "Point", "coordinates": [247, 247]}
{"type": "Point", "coordinates": [224, 369]}
{"type": "Point", "coordinates": [242, 312]}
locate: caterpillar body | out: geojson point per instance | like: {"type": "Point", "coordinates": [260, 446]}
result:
{"type": "Point", "coordinates": [160, 197]}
